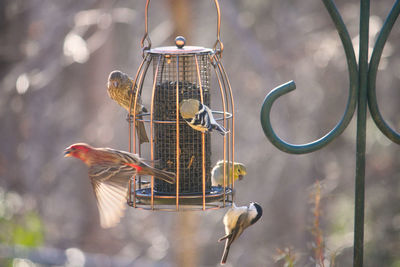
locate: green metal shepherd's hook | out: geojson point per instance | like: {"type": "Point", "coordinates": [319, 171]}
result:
{"type": "Point", "coordinates": [373, 68]}
{"type": "Point", "coordinates": [362, 80]}
{"type": "Point", "coordinates": [290, 86]}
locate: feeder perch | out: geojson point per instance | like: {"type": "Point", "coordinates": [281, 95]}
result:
{"type": "Point", "coordinates": [182, 72]}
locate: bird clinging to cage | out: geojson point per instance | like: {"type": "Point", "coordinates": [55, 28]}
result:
{"type": "Point", "coordinates": [217, 173]}
{"type": "Point", "coordinates": [120, 88]}
{"type": "Point", "coordinates": [199, 116]}
{"type": "Point", "coordinates": [109, 172]}
{"type": "Point", "coordinates": [236, 220]}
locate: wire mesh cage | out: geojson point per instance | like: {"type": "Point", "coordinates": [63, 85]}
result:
{"type": "Point", "coordinates": [177, 73]}
{"type": "Point", "coordinates": [181, 73]}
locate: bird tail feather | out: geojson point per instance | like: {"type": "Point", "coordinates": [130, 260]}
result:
{"type": "Point", "coordinates": [226, 252]}
{"type": "Point", "coordinates": [141, 132]}
{"type": "Point", "coordinates": [220, 129]}
{"type": "Point", "coordinates": [166, 176]}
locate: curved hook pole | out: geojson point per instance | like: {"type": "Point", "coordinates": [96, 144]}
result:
{"type": "Point", "coordinates": [290, 86]}
{"type": "Point", "coordinates": [278, 142]}
{"type": "Point", "coordinates": [372, 72]}
{"type": "Point", "coordinates": [266, 122]}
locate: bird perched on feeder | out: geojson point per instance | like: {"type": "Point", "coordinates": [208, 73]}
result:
{"type": "Point", "coordinates": [121, 89]}
{"type": "Point", "coordinates": [199, 116]}
{"type": "Point", "coordinates": [110, 171]}
{"type": "Point", "coordinates": [217, 173]}
{"type": "Point", "coordinates": [236, 220]}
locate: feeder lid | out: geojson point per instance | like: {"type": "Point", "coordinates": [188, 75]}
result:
{"type": "Point", "coordinates": [180, 48]}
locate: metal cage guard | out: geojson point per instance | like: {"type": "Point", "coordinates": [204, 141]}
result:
{"type": "Point", "coordinates": [362, 89]}
{"type": "Point", "coordinates": [209, 195]}
{"type": "Point", "coordinates": [182, 73]}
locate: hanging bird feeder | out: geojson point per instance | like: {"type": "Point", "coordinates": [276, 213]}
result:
{"type": "Point", "coordinates": [182, 72]}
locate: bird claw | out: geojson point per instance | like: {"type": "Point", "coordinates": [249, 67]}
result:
{"type": "Point", "coordinates": [129, 118]}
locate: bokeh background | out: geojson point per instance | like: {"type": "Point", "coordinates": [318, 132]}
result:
{"type": "Point", "coordinates": [55, 57]}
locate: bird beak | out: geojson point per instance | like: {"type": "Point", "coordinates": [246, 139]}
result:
{"type": "Point", "coordinates": [240, 177]}
{"type": "Point", "coordinates": [115, 83]}
{"type": "Point", "coordinates": [67, 153]}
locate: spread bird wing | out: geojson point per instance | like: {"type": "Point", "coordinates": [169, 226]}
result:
{"type": "Point", "coordinates": [110, 185]}
{"type": "Point", "coordinates": [111, 202]}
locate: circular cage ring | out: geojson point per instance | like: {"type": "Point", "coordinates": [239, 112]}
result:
{"type": "Point", "coordinates": [140, 117]}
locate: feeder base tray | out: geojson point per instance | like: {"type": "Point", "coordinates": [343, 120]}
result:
{"type": "Point", "coordinates": [216, 194]}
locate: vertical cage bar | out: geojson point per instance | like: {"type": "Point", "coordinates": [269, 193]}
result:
{"type": "Point", "coordinates": [130, 191]}
{"type": "Point", "coordinates": [139, 87]}
{"type": "Point", "coordinates": [130, 104]}
{"type": "Point", "coordinates": [134, 190]}
{"type": "Point", "coordinates": [223, 92]}
{"type": "Point", "coordinates": [226, 182]}
{"type": "Point", "coordinates": [177, 135]}
{"type": "Point", "coordinates": [232, 133]}
{"type": "Point", "coordinates": [361, 135]}
{"type": "Point", "coordinates": [141, 73]}
{"type": "Point", "coordinates": [152, 127]}
{"type": "Point", "coordinates": [140, 177]}
{"type": "Point", "coordinates": [203, 149]}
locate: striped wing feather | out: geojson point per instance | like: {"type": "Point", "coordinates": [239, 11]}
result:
{"type": "Point", "coordinates": [110, 185]}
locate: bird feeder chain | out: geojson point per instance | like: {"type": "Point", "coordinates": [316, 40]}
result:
{"type": "Point", "coordinates": [218, 46]}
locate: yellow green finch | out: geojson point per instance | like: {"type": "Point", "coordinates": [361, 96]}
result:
{"type": "Point", "coordinates": [217, 173]}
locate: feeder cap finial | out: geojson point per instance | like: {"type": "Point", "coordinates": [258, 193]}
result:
{"type": "Point", "coordinates": [180, 41]}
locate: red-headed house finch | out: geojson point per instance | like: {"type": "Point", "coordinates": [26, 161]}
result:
{"type": "Point", "coordinates": [120, 88]}
{"type": "Point", "coordinates": [199, 116]}
{"type": "Point", "coordinates": [109, 172]}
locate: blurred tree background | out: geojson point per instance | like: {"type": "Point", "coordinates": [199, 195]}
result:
{"type": "Point", "coordinates": [55, 57]}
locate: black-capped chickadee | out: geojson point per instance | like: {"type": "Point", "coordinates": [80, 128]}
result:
{"type": "Point", "coordinates": [236, 220]}
{"type": "Point", "coordinates": [199, 116]}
